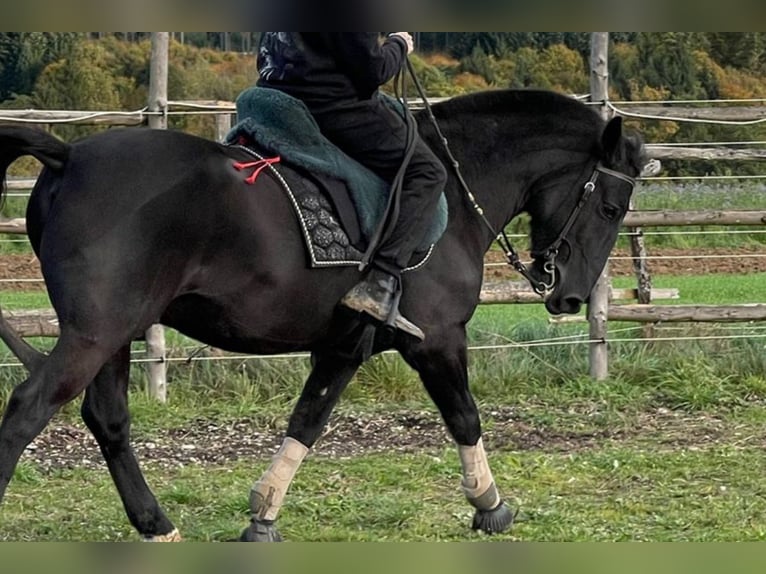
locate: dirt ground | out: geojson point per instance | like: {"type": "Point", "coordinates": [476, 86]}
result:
{"type": "Point", "coordinates": [208, 442]}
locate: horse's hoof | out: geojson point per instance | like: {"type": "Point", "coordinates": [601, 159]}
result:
{"type": "Point", "coordinates": [172, 536]}
{"type": "Point", "coordinates": [494, 521]}
{"type": "Point", "coordinates": [261, 531]}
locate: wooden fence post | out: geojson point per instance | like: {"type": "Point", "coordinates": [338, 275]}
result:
{"type": "Point", "coordinates": [158, 81]}
{"type": "Point", "coordinates": [598, 308]}
{"type": "Point", "coordinates": [158, 103]}
{"type": "Point", "coordinates": [222, 126]}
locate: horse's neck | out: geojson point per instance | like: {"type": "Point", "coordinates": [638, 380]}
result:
{"type": "Point", "coordinates": [504, 156]}
{"type": "Point", "coordinates": [496, 186]}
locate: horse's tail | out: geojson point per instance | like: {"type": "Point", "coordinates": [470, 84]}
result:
{"type": "Point", "coordinates": [15, 142]}
{"type": "Point", "coordinates": [18, 141]}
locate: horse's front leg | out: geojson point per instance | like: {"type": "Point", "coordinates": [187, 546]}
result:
{"type": "Point", "coordinates": [321, 392]}
{"type": "Point", "coordinates": [442, 364]}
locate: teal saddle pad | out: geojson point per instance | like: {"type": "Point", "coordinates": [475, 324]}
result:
{"type": "Point", "coordinates": [283, 125]}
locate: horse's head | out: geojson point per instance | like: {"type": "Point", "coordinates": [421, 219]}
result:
{"type": "Point", "coordinates": [576, 214]}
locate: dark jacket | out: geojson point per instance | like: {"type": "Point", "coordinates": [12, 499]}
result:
{"type": "Point", "coordinates": [328, 69]}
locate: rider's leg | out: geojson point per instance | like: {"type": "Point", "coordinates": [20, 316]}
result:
{"type": "Point", "coordinates": [376, 136]}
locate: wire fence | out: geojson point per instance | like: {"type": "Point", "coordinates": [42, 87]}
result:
{"type": "Point", "coordinates": [751, 332]}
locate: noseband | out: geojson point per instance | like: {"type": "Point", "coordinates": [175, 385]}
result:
{"type": "Point", "coordinates": [541, 287]}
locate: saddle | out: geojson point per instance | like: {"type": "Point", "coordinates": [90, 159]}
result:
{"type": "Point", "coordinates": [338, 201]}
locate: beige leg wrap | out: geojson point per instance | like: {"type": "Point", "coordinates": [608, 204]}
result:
{"type": "Point", "coordinates": [478, 484]}
{"type": "Point", "coordinates": [173, 536]}
{"type": "Point", "coordinates": [267, 494]}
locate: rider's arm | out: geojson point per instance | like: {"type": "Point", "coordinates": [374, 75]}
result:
{"type": "Point", "coordinates": [366, 60]}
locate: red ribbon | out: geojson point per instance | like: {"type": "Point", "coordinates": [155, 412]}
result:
{"type": "Point", "coordinates": [258, 166]}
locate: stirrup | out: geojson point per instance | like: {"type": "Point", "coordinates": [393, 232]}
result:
{"type": "Point", "coordinates": [396, 320]}
{"type": "Point", "coordinates": [384, 308]}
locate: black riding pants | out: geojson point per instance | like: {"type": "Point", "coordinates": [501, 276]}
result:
{"type": "Point", "coordinates": [376, 136]}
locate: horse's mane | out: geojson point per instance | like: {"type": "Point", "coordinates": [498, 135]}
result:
{"type": "Point", "coordinates": [565, 112]}
{"type": "Point", "coordinates": [527, 100]}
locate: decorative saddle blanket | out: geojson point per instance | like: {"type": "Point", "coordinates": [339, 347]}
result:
{"type": "Point", "coordinates": [338, 201]}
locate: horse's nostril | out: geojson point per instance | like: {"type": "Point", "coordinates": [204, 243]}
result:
{"type": "Point", "coordinates": [571, 304]}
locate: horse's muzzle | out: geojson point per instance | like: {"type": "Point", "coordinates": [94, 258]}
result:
{"type": "Point", "coordinates": [566, 305]}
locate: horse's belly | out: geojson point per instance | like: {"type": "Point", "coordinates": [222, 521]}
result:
{"type": "Point", "coordinates": [264, 325]}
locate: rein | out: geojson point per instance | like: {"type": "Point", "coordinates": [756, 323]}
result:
{"type": "Point", "coordinates": [540, 287]}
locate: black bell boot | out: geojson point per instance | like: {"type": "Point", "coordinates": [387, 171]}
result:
{"type": "Point", "coordinates": [375, 296]}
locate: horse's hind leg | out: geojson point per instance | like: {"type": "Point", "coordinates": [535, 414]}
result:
{"type": "Point", "coordinates": [105, 411]}
{"type": "Point", "coordinates": [55, 381]}
{"type": "Point", "coordinates": [321, 392]}
{"type": "Point", "coordinates": [443, 368]}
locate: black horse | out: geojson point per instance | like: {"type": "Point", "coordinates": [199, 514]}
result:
{"type": "Point", "coordinates": [134, 227]}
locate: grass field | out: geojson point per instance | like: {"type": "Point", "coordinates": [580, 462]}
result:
{"type": "Point", "coordinates": [613, 492]}
{"type": "Point", "coordinates": [671, 447]}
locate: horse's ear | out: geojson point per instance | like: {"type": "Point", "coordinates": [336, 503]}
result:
{"type": "Point", "coordinates": [610, 139]}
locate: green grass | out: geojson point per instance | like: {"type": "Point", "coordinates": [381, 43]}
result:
{"type": "Point", "coordinates": [614, 493]}
{"type": "Point", "coordinates": [717, 289]}
{"type": "Point", "coordinates": [24, 300]}
{"type": "Point", "coordinates": [700, 195]}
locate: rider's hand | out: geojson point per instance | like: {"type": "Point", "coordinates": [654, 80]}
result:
{"type": "Point", "coordinates": [407, 38]}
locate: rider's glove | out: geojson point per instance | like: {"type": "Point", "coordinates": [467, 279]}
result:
{"type": "Point", "coordinates": [407, 39]}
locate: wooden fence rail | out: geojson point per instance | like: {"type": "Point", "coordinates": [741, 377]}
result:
{"type": "Point", "coordinates": [688, 313]}
{"type": "Point", "coordinates": [711, 153]}
{"type": "Point", "coordinates": [726, 113]}
{"type": "Point", "coordinates": [44, 323]}
{"type": "Point", "coordinates": [74, 118]}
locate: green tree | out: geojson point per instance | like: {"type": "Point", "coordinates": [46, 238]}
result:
{"type": "Point", "coordinates": [666, 60]}
{"type": "Point", "coordinates": [561, 69]}
{"type": "Point", "coordinates": [23, 55]}
{"type": "Point", "coordinates": [479, 63]}
{"type": "Point", "coordinates": [742, 50]}
{"type": "Point", "coordinates": [526, 60]}
{"type": "Point", "coordinates": [623, 70]}
{"type": "Point", "coordinates": [83, 81]}
{"type": "Point", "coordinates": [555, 68]}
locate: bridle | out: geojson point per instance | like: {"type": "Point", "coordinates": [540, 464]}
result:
{"type": "Point", "coordinates": [541, 287]}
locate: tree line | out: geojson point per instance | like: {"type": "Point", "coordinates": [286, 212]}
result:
{"type": "Point", "coordinates": [680, 63]}
{"type": "Point", "coordinates": [109, 71]}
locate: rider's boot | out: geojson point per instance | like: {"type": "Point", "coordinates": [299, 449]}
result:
{"type": "Point", "coordinates": [375, 295]}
